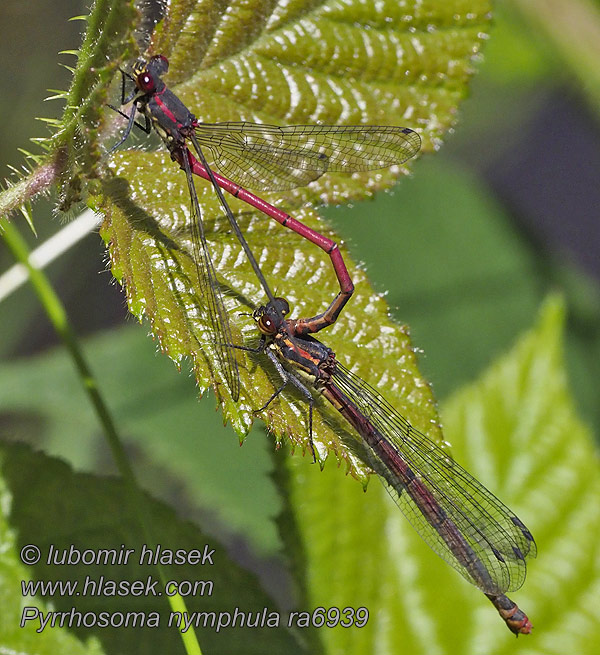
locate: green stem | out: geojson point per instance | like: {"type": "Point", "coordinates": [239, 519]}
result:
{"type": "Point", "coordinates": [59, 319]}
{"type": "Point", "coordinates": [27, 188]}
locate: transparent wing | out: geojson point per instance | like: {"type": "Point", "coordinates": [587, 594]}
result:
{"type": "Point", "coordinates": [272, 158]}
{"type": "Point", "coordinates": [214, 307]}
{"type": "Point", "coordinates": [455, 514]}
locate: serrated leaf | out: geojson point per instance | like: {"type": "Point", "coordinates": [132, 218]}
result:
{"type": "Point", "coordinates": [517, 431]}
{"type": "Point", "coordinates": [149, 291]}
{"type": "Point", "coordinates": [281, 62]}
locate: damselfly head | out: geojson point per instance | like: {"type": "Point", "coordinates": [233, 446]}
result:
{"type": "Point", "coordinates": [269, 318]}
{"type": "Point", "coordinates": [147, 73]}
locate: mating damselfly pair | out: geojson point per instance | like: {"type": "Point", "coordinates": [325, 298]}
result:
{"type": "Point", "coordinates": [459, 518]}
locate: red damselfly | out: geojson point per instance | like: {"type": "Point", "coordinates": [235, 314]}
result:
{"type": "Point", "coordinates": [264, 157]}
{"type": "Point", "coordinates": [455, 514]}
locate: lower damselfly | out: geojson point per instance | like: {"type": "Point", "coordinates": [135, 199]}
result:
{"type": "Point", "coordinates": [263, 157]}
{"type": "Point", "coordinates": [454, 513]}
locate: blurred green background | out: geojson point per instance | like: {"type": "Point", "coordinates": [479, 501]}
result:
{"type": "Point", "coordinates": [467, 249]}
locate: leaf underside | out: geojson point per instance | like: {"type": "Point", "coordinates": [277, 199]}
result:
{"type": "Point", "coordinates": [289, 62]}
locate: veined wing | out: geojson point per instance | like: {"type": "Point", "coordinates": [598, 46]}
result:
{"type": "Point", "coordinates": [271, 158]}
{"type": "Point", "coordinates": [214, 307]}
{"type": "Point", "coordinates": [455, 514]}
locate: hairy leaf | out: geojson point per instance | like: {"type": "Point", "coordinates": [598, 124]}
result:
{"type": "Point", "coordinates": [279, 62]}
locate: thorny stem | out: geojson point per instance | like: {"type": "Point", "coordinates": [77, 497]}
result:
{"type": "Point", "coordinates": [26, 189]}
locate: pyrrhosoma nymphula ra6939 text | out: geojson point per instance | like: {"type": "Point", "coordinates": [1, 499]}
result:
{"type": "Point", "coordinates": [263, 157]}
{"type": "Point", "coordinates": [455, 514]}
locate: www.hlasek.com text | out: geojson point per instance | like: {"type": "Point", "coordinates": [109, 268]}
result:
{"type": "Point", "coordinates": [107, 588]}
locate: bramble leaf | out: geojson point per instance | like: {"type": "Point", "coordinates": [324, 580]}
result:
{"type": "Point", "coordinates": [281, 63]}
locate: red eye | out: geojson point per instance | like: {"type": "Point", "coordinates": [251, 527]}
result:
{"type": "Point", "coordinates": [145, 82]}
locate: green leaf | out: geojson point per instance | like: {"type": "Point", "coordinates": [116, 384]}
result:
{"type": "Point", "coordinates": [12, 573]}
{"type": "Point", "coordinates": [574, 32]}
{"type": "Point", "coordinates": [517, 431]}
{"type": "Point", "coordinates": [90, 513]}
{"type": "Point", "coordinates": [300, 62]}
{"type": "Point", "coordinates": [516, 54]}
{"type": "Point", "coordinates": [530, 442]}
{"type": "Point", "coordinates": [176, 442]}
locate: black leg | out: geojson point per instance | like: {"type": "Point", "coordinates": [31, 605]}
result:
{"type": "Point", "coordinates": [127, 132]}
{"type": "Point", "coordinates": [287, 378]}
{"type": "Point", "coordinates": [126, 99]}
{"type": "Point", "coordinates": [259, 349]}
{"type": "Point", "coordinates": [147, 128]}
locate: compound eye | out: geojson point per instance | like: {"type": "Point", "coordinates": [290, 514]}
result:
{"type": "Point", "coordinates": [266, 325]}
{"type": "Point", "coordinates": [145, 82]}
